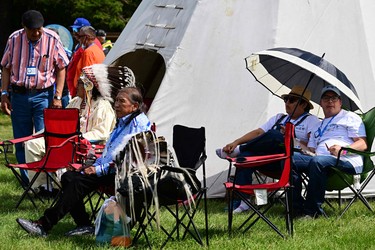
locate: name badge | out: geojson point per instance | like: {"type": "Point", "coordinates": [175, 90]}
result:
{"type": "Point", "coordinates": [31, 71]}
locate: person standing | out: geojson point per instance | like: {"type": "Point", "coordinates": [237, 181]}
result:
{"type": "Point", "coordinates": [91, 54]}
{"type": "Point", "coordinates": [106, 44]}
{"type": "Point", "coordinates": [34, 59]}
{"type": "Point", "coordinates": [77, 53]}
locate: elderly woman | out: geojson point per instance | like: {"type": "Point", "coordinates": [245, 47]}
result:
{"type": "Point", "coordinates": [76, 185]}
{"type": "Point", "coordinates": [257, 142]}
{"type": "Point", "coordinates": [97, 118]}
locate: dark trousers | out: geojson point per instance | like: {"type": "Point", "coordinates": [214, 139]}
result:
{"type": "Point", "coordinates": [75, 187]}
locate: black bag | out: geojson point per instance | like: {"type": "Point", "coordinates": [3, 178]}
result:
{"type": "Point", "coordinates": [171, 183]}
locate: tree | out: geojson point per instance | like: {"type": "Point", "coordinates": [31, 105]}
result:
{"type": "Point", "coordinates": [110, 15]}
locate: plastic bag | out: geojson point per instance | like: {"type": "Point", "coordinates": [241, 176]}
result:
{"type": "Point", "coordinates": [110, 227]}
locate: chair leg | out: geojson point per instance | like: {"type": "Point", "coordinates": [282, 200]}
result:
{"type": "Point", "coordinates": [230, 210]}
{"type": "Point", "coordinates": [358, 194]}
{"type": "Point", "coordinates": [27, 189]}
{"type": "Point", "coordinates": [260, 215]}
{"type": "Point", "coordinates": [289, 211]}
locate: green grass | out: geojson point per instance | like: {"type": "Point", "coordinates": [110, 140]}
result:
{"type": "Point", "coordinates": [355, 230]}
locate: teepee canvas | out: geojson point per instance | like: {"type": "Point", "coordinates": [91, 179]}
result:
{"type": "Point", "coordinates": [189, 57]}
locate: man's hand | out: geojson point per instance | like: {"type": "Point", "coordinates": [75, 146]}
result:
{"type": "Point", "coordinates": [6, 107]}
{"type": "Point", "coordinates": [334, 149]}
{"type": "Point", "coordinates": [89, 170]}
{"type": "Point", "coordinates": [56, 104]}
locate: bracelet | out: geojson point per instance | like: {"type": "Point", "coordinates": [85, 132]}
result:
{"type": "Point", "coordinates": [4, 92]}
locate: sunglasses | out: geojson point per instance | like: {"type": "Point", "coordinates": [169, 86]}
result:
{"type": "Point", "coordinates": [290, 99]}
{"type": "Point", "coordinates": [327, 98]}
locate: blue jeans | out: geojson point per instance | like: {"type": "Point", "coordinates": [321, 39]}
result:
{"type": "Point", "coordinates": [317, 168]}
{"type": "Point", "coordinates": [27, 118]}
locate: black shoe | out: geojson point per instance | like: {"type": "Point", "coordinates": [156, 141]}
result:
{"type": "Point", "coordinates": [81, 230]}
{"type": "Point", "coordinates": [32, 227]}
{"type": "Point", "coordinates": [46, 194]}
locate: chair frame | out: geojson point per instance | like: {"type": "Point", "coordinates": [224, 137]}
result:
{"type": "Point", "coordinates": [368, 168]}
{"type": "Point", "coordinates": [44, 165]}
{"type": "Point", "coordinates": [189, 227]}
{"type": "Point", "coordinates": [283, 183]}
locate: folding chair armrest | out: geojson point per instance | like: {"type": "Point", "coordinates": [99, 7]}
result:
{"type": "Point", "coordinates": [200, 162]}
{"type": "Point", "coordinates": [19, 140]}
{"type": "Point", "coordinates": [68, 140]}
{"type": "Point", "coordinates": [256, 161]}
{"type": "Point", "coordinates": [354, 151]}
{"type": "Point", "coordinates": [359, 152]}
{"type": "Point", "coordinates": [8, 143]}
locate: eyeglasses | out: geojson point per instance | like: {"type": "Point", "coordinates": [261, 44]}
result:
{"type": "Point", "coordinates": [290, 99]}
{"type": "Point", "coordinates": [327, 98]}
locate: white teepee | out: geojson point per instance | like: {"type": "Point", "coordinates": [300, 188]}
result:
{"type": "Point", "coordinates": [189, 55]}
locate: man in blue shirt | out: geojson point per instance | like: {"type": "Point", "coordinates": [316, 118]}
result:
{"type": "Point", "coordinates": [76, 185]}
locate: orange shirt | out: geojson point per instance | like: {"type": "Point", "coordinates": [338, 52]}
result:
{"type": "Point", "coordinates": [91, 55]}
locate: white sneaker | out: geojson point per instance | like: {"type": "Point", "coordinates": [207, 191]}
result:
{"type": "Point", "coordinates": [224, 155]}
{"type": "Point", "coordinates": [243, 207]}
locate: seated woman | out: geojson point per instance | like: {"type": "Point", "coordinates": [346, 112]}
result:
{"type": "Point", "coordinates": [97, 119]}
{"type": "Point", "coordinates": [255, 142]}
{"type": "Point", "coordinates": [76, 185]}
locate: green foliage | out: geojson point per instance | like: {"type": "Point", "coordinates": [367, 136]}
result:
{"type": "Point", "coordinates": [110, 16]}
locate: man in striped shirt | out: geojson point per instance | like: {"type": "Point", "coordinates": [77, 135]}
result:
{"type": "Point", "coordinates": [34, 60]}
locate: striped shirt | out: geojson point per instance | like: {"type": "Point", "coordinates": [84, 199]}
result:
{"type": "Point", "coordinates": [44, 54]}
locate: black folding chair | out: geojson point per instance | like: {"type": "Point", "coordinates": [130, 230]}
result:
{"type": "Point", "coordinates": [189, 146]}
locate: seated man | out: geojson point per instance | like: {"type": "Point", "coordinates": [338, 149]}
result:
{"type": "Point", "coordinates": [77, 184]}
{"type": "Point", "coordinates": [339, 128]}
{"type": "Point", "coordinates": [97, 120]}
{"type": "Point", "coordinates": [252, 143]}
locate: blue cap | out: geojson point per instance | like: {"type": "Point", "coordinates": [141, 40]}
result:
{"type": "Point", "coordinates": [331, 88]}
{"type": "Point", "coordinates": [80, 22]}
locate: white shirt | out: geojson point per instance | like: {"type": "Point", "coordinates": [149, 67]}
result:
{"type": "Point", "coordinates": [301, 130]}
{"type": "Point", "coordinates": [340, 130]}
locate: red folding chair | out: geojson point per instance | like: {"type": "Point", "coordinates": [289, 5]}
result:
{"type": "Point", "coordinates": [61, 134]}
{"type": "Point", "coordinates": [272, 188]}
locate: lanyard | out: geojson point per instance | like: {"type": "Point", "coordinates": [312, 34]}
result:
{"type": "Point", "coordinates": [320, 132]}
{"type": "Point", "coordinates": [31, 59]}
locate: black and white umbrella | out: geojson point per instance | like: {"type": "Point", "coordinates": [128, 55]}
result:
{"type": "Point", "coordinates": [279, 69]}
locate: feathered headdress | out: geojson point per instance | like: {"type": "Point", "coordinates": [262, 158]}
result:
{"type": "Point", "coordinates": [107, 79]}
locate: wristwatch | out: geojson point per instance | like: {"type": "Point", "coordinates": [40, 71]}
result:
{"type": "Point", "coordinates": [57, 97]}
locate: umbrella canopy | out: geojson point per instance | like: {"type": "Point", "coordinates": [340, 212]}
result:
{"type": "Point", "coordinates": [279, 69]}
{"type": "Point", "coordinates": [65, 36]}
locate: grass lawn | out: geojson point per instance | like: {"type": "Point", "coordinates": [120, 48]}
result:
{"type": "Point", "coordinates": [355, 230]}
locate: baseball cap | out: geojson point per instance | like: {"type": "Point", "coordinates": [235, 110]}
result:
{"type": "Point", "coordinates": [100, 33]}
{"type": "Point", "coordinates": [330, 88]}
{"type": "Point", "coordinates": [80, 22]}
{"type": "Point", "coordinates": [32, 19]}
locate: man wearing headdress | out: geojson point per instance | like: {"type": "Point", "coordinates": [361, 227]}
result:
{"type": "Point", "coordinates": [76, 185]}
